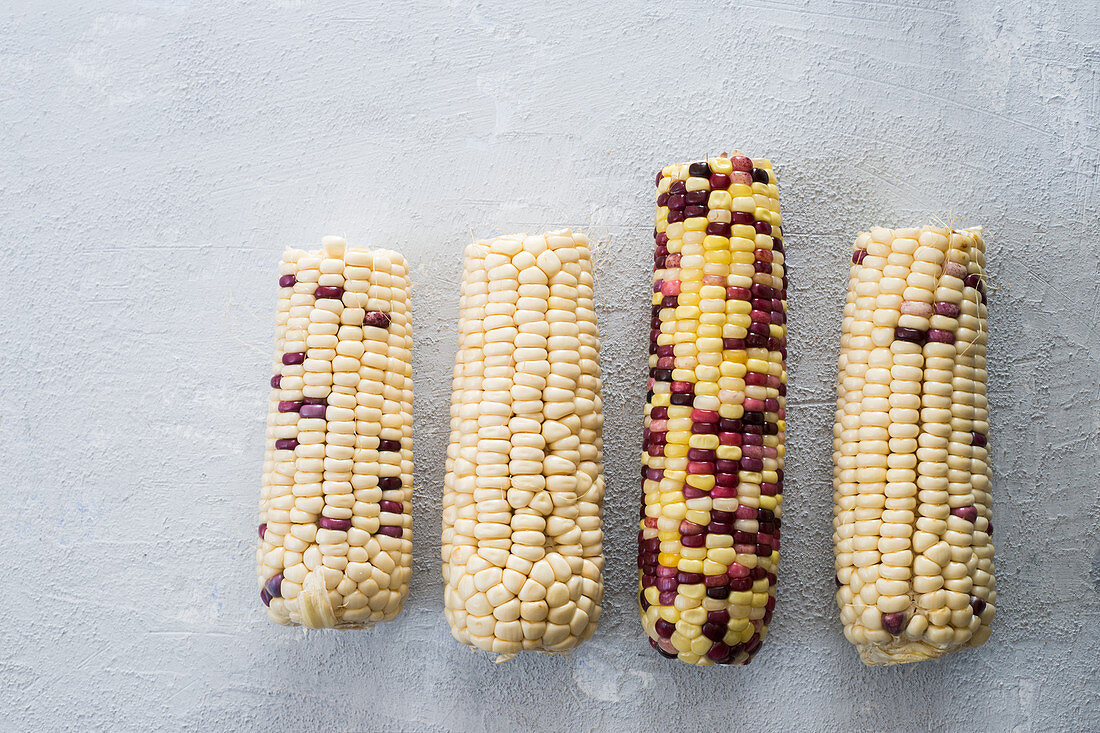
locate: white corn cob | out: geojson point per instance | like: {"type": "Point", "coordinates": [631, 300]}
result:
{"type": "Point", "coordinates": [335, 529]}
{"type": "Point", "coordinates": [522, 536]}
{"type": "Point", "coordinates": [912, 515]}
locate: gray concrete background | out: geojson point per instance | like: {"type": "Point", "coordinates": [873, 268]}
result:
{"type": "Point", "coordinates": [156, 157]}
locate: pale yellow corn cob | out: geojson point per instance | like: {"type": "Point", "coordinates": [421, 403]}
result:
{"type": "Point", "coordinates": [335, 529]}
{"type": "Point", "coordinates": [912, 515]}
{"type": "Point", "coordinates": [522, 537]}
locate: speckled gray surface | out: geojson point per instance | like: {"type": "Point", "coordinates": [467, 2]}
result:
{"type": "Point", "coordinates": [156, 157]}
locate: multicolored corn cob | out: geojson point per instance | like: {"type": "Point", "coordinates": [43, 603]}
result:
{"type": "Point", "coordinates": [335, 529]}
{"type": "Point", "coordinates": [712, 461]}
{"type": "Point", "coordinates": [522, 534]}
{"type": "Point", "coordinates": [912, 516]}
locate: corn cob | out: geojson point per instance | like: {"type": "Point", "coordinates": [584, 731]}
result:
{"type": "Point", "coordinates": [912, 509]}
{"type": "Point", "coordinates": [335, 530]}
{"type": "Point", "coordinates": [522, 537]}
{"type": "Point", "coordinates": [712, 459]}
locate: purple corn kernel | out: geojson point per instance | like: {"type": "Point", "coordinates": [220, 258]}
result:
{"type": "Point", "coordinates": [759, 175]}
{"type": "Point", "coordinates": [390, 531]}
{"type": "Point", "coordinates": [741, 163]}
{"type": "Point", "coordinates": [694, 540]}
{"type": "Point", "coordinates": [699, 170]}
{"type": "Point", "coordinates": [705, 428]}
{"type": "Point", "coordinates": [893, 623]}
{"type": "Point", "coordinates": [969, 513]}
{"type": "Point", "coordinates": [724, 481]}
{"type": "Point", "coordinates": [701, 454]}
{"type": "Point", "coordinates": [667, 584]}
{"type": "Point", "coordinates": [659, 176]}
{"type": "Point", "coordinates": [677, 202]}
{"type": "Point", "coordinates": [286, 444]}
{"type": "Point", "coordinates": [393, 507]}
{"type": "Point", "coordinates": [978, 439]}
{"type": "Point", "coordinates": [681, 400]}
{"type": "Point", "coordinates": [666, 572]}
{"type": "Point", "coordinates": [719, 181]}
{"type": "Point", "coordinates": [314, 400]}
{"type": "Point", "coordinates": [740, 584]}
{"type": "Point", "coordinates": [664, 652]}
{"type": "Point", "coordinates": [337, 524]}
{"type": "Point", "coordinates": [276, 381]}
{"type": "Point", "coordinates": [690, 528]}
{"type": "Point", "coordinates": [697, 197]}
{"type": "Point", "coordinates": [759, 573]}
{"type": "Point", "coordinates": [977, 605]}
{"type": "Point", "coordinates": [714, 632]}
{"type": "Point", "coordinates": [914, 335]}
{"type": "Point", "coordinates": [856, 256]}
{"type": "Point", "coordinates": [719, 592]}
{"type": "Point", "coordinates": [389, 445]}
{"type": "Point", "coordinates": [377, 319]}
{"type": "Point", "coordinates": [742, 219]}
{"type": "Point", "coordinates": [973, 280]}
{"type": "Point", "coordinates": [954, 269]}
{"type": "Point", "coordinates": [642, 601]}
{"type": "Point", "coordinates": [290, 406]}
{"type": "Point", "coordinates": [263, 530]}
{"type": "Point", "coordinates": [294, 357]}
{"type": "Point", "coordinates": [690, 578]}
{"type": "Point", "coordinates": [695, 210]}
{"type": "Point", "coordinates": [265, 596]}
{"type": "Point", "coordinates": [718, 228]}
{"type": "Point", "coordinates": [947, 309]}
{"type": "Point", "coordinates": [664, 628]}
{"type": "Point", "coordinates": [662, 240]}
{"type": "Point", "coordinates": [917, 308]}
{"type": "Point", "coordinates": [312, 411]}
{"type": "Point", "coordinates": [274, 586]}
{"type": "Point", "coordinates": [763, 227]}
{"type": "Point", "coordinates": [738, 293]}
{"type": "Point", "coordinates": [941, 336]}
{"type": "Point", "coordinates": [733, 344]}
{"type": "Point", "coordinates": [389, 483]}
{"type": "Point", "coordinates": [287, 281]}
{"type": "Point", "coordinates": [690, 492]}
{"type": "Point", "coordinates": [328, 291]}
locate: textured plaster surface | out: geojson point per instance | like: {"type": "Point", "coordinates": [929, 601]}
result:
{"type": "Point", "coordinates": [156, 157]}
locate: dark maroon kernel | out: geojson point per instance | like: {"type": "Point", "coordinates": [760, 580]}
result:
{"type": "Point", "coordinates": [969, 513]}
{"type": "Point", "coordinates": [726, 479]}
{"type": "Point", "coordinates": [642, 601]}
{"type": "Point", "coordinates": [718, 228]}
{"type": "Point", "coordinates": [699, 170]}
{"type": "Point", "coordinates": [378, 319]}
{"type": "Point", "coordinates": [276, 381]}
{"type": "Point", "coordinates": [727, 425]}
{"type": "Point", "coordinates": [287, 281]}
{"type": "Point", "coordinates": [744, 538]}
{"type": "Point", "coordinates": [290, 406]}
{"type": "Point", "coordinates": [752, 418]}
{"type": "Point", "coordinates": [690, 578]}
{"type": "Point", "coordinates": [328, 291]}
{"type": "Point", "coordinates": [720, 527]}
{"type": "Point", "coordinates": [978, 439]}
{"type": "Point", "coordinates": [758, 573]}
{"type": "Point", "coordinates": [740, 584]}
{"type": "Point", "coordinates": [759, 175]}
{"type": "Point", "coordinates": [856, 256]}
{"type": "Point", "coordinates": [893, 623]}
{"type": "Point", "coordinates": [390, 531]}
{"type": "Point", "coordinates": [663, 653]}
{"type": "Point", "coordinates": [389, 483]}
{"type": "Point", "coordinates": [704, 428]}
{"type": "Point", "coordinates": [733, 344]}
{"type": "Point", "coordinates": [719, 181]}
{"type": "Point", "coordinates": [742, 218]}
{"type": "Point", "coordinates": [662, 240]}
{"type": "Point", "coordinates": [659, 176]}
{"type": "Point", "coordinates": [265, 596]}
{"type": "Point", "coordinates": [263, 530]}
{"type": "Point", "coordinates": [762, 291]}
{"type": "Point", "coordinates": [697, 197]}
{"type": "Point", "coordinates": [389, 445]}
{"type": "Point", "coordinates": [664, 628]}
{"type": "Point", "coordinates": [294, 357]}
{"type": "Point", "coordinates": [690, 492]}
{"type": "Point", "coordinates": [736, 293]}
{"type": "Point", "coordinates": [662, 200]}
{"type": "Point", "coordinates": [665, 350]}
{"type": "Point", "coordinates": [393, 507]}
{"type": "Point", "coordinates": [312, 411]}
{"type": "Point", "coordinates": [286, 444]}
{"type": "Point", "coordinates": [947, 309]}
{"type": "Point", "coordinates": [667, 584]}
{"type": "Point", "coordinates": [690, 528]}
{"type": "Point", "coordinates": [972, 280]}
{"type": "Point", "coordinates": [337, 524]}
{"type": "Point", "coordinates": [941, 336]}
{"type": "Point", "coordinates": [720, 592]}
{"type": "Point", "coordinates": [696, 210]}
{"type": "Point", "coordinates": [914, 335]}
{"type": "Point", "coordinates": [836, 579]}
{"type": "Point", "coordinates": [763, 267]}
{"type": "Point", "coordinates": [695, 540]}
{"type": "Point", "coordinates": [677, 187]}
{"type": "Point", "coordinates": [669, 301]}
{"type": "Point", "coordinates": [700, 454]}
{"type": "Point", "coordinates": [274, 586]}
{"type": "Point", "coordinates": [714, 632]}
{"type": "Point", "coordinates": [676, 203]}
{"type": "Point", "coordinates": [314, 400]}
{"type": "Point", "coordinates": [977, 605]}
{"type": "Point", "coordinates": [659, 413]}
{"type": "Point", "coordinates": [763, 227]}
{"type": "Point", "coordinates": [681, 399]}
